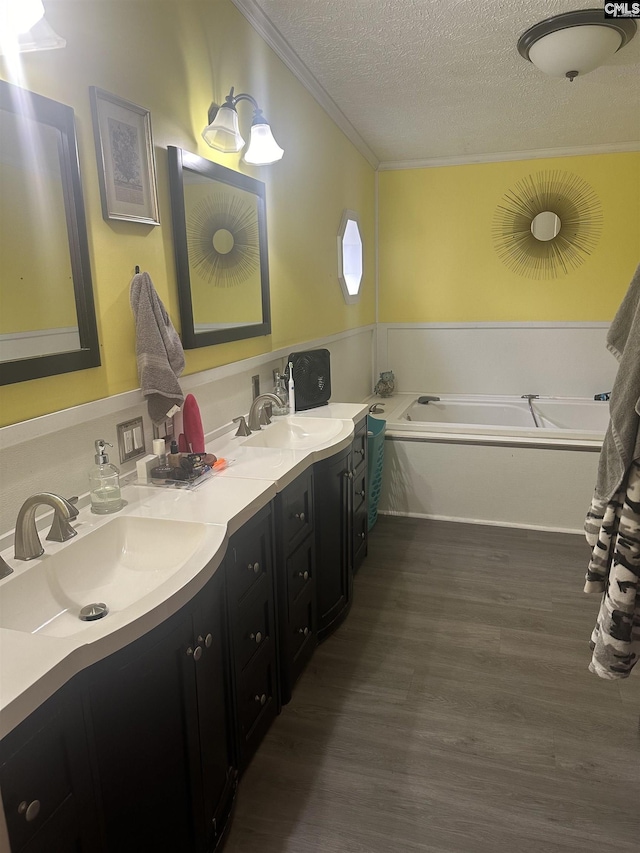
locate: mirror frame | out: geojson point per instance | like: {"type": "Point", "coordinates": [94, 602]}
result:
{"type": "Point", "coordinates": [61, 117]}
{"type": "Point", "coordinates": [179, 160]}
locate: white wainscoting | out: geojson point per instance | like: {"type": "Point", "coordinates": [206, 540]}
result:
{"type": "Point", "coordinates": [550, 359]}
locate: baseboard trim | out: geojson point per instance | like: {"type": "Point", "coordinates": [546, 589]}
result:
{"type": "Point", "coordinates": [484, 522]}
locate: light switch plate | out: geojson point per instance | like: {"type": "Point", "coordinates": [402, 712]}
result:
{"type": "Point", "coordinates": [131, 439]}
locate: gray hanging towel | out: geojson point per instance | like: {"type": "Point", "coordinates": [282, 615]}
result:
{"type": "Point", "coordinates": [622, 441]}
{"type": "Point", "coordinates": [158, 349]}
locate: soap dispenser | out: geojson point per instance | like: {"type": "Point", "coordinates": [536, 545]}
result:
{"type": "Point", "coordinates": [104, 482]}
{"type": "Point", "coordinates": [281, 393]}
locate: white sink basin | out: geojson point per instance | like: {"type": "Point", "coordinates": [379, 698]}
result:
{"type": "Point", "coordinates": [117, 565]}
{"type": "Point", "coordinates": [293, 433]}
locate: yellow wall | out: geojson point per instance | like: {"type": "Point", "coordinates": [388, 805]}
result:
{"type": "Point", "coordinates": [437, 261]}
{"type": "Point", "coordinates": [174, 57]}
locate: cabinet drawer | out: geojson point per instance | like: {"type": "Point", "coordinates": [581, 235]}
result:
{"type": "Point", "coordinates": [301, 625]}
{"type": "Point", "coordinates": [251, 560]}
{"type": "Point", "coordinates": [360, 447]}
{"type": "Point", "coordinates": [256, 692]}
{"type": "Point", "coordinates": [359, 489]}
{"type": "Point", "coordinates": [300, 568]}
{"type": "Point", "coordinates": [253, 628]}
{"type": "Point", "coordinates": [296, 512]}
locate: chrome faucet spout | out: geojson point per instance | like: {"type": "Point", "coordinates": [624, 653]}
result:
{"type": "Point", "coordinates": [27, 540]}
{"type": "Point", "coordinates": [257, 408]}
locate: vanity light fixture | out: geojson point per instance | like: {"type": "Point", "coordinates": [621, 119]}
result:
{"type": "Point", "coordinates": [24, 28]}
{"type": "Point", "coordinates": [222, 132]}
{"type": "Point", "coordinates": [575, 43]}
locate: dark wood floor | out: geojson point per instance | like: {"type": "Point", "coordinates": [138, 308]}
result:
{"type": "Point", "coordinates": [453, 712]}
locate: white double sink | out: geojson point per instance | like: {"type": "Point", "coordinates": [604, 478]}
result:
{"type": "Point", "coordinates": [129, 557]}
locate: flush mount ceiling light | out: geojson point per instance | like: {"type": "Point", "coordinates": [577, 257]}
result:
{"type": "Point", "coordinates": [575, 43]}
{"type": "Point", "coordinates": [222, 132]}
{"type": "Point", "coordinates": [24, 28]}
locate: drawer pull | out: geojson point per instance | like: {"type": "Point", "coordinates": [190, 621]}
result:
{"type": "Point", "coordinates": [362, 536]}
{"type": "Point", "coordinates": [348, 475]}
{"type": "Point", "coordinates": [362, 493]}
{"type": "Point", "coordinates": [261, 699]}
{"type": "Point", "coordinates": [304, 575]}
{"type": "Point", "coordinates": [206, 640]}
{"type": "Point", "coordinates": [195, 653]}
{"type": "Point", "coordinates": [360, 450]}
{"type": "Point", "coordinates": [301, 516]}
{"type": "Point", "coordinates": [254, 567]}
{"type": "Point", "coordinates": [304, 631]}
{"type": "Point", "coordinates": [257, 637]}
{"type": "Point", "coordinates": [30, 811]}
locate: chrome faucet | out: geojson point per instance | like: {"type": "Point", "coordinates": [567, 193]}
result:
{"type": "Point", "coordinates": [257, 414]}
{"type": "Point", "coordinates": [27, 540]}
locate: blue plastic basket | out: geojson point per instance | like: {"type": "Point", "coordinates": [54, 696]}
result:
{"type": "Point", "coordinates": [375, 441]}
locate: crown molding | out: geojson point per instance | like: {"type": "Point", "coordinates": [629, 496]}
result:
{"type": "Point", "coordinates": [504, 156]}
{"type": "Point", "coordinates": [263, 26]}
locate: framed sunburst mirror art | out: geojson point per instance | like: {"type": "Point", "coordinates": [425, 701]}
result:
{"type": "Point", "coordinates": [547, 225]}
{"type": "Point", "coordinates": [220, 237]}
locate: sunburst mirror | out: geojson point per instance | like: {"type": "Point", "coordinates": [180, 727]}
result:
{"type": "Point", "coordinates": [547, 225]}
{"type": "Point", "coordinates": [220, 235]}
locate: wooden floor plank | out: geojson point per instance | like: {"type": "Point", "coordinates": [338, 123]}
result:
{"type": "Point", "coordinates": [453, 711]}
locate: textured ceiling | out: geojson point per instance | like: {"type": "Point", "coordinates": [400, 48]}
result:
{"type": "Point", "coordinates": [430, 79]}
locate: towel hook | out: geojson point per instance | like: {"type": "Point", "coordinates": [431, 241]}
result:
{"type": "Point", "coordinates": [137, 270]}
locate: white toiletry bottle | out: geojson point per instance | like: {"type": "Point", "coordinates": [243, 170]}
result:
{"type": "Point", "coordinates": [104, 482]}
{"type": "Point", "coordinates": [292, 392]}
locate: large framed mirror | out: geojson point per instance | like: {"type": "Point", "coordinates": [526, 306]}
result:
{"type": "Point", "coordinates": [47, 313]}
{"type": "Point", "coordinates": [220, 236]}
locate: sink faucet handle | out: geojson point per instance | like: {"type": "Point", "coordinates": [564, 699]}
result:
{"type": "Point", "coordinates": [265, 412]}
{"type": "Point", "coordinates": [243, 429]}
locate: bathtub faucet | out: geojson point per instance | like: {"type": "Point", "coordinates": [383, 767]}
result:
{"type": "Point", "coordinates": [529, 398]}
{"type": "Point", "coordinates": [428, 399]}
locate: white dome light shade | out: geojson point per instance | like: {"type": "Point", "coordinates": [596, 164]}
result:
{"type": "Point", "coordinates": [223, 134]}
{"type": "Point", "coordinates": [262, 149]}
{"type": "Point", "coordinates": [575, 43]}
{"type": "Point", "coordinates": [580, 49]}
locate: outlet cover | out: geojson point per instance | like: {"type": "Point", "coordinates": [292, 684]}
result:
{"type": "Point", "coordinates": [131, 442]}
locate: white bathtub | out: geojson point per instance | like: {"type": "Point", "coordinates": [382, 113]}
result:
{"type": "Point", "coordinates": [564, 419]}
{"type": "Point", "coordinates": [482, 459]}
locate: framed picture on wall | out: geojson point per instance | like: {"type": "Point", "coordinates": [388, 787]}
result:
{"type": "Point", "coordinates": [126, 162]}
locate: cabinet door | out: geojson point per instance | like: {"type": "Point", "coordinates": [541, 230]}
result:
{"type": "Point", "coordinates": [215, 743]}
{"type": "Point", "coordinates": [46, 780]}
{"type": "Point", "coordinates": [143, 702]}
{"type": "Point", "coordinates": [333, 478]}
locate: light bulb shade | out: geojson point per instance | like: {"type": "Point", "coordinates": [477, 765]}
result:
{"type": "Point", "coordinates": [578, 49]}
{"type": "Point", "coordinates": [575, 43]}
{"type": "Point", "coordinates": [262, 149]}
{"type": "Point", "coordinates": [223, 134]}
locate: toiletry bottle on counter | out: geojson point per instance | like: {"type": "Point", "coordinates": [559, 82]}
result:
{"type": "Point", "coordinates": [281, 393]}
{"type": "Point", "coordinates": [104, 482]}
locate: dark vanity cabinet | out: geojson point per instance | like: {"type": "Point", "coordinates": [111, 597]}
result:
{"type": "Point", "coordinates": [295, 580]}
{"type": "Point", "coordinates": [340, 488]}
{"type": "Point", "coordinates": [360, 489]}
{"type": "Point", "coordinates": [46, 780]}
{"type": "Point", "coordinates": [251, 612]}
{"type": "Point", "coordinates": [161, 735]}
